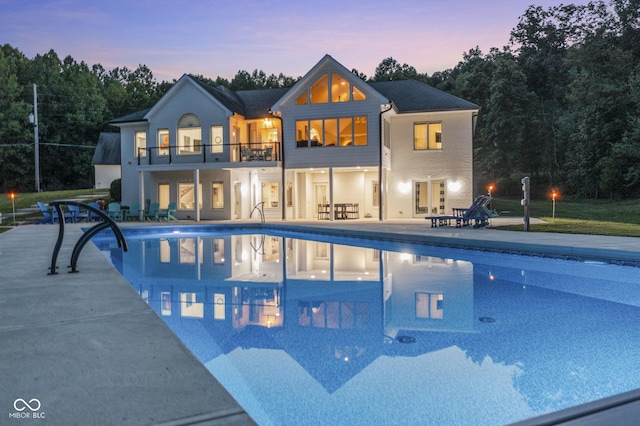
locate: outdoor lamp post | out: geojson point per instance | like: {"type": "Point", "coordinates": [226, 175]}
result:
{"type": "Point", "coordinates": [490, 188]}
{"type": "Point", "coordinates": [554, 195]}
{"type": "Point", "coordinates": [12, 195]}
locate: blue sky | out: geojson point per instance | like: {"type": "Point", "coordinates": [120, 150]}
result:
{"type": "Point", "coordinates": [218, 38]}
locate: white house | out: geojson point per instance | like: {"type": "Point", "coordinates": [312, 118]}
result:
{"type": "Point", "coordinates": [106, 159]}
{"type": "Point", "coordinates": [331, 147]}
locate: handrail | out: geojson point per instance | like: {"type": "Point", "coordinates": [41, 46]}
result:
{"type": "Point", "coordinates": [106, 223]}
{"type": "Point", "coordinates": [259, 207]}
{"type": "Point", "coordinates": [151, 155]}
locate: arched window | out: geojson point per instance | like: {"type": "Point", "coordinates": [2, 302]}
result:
{"type": "Point", "coordinates": [189, 135]}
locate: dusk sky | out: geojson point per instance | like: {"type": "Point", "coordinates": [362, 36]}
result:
{"type": "Point", "coordinates": [219, 38]}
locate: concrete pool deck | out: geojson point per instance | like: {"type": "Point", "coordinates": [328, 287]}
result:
{"type": "Point", "coordinates": [84, 348]}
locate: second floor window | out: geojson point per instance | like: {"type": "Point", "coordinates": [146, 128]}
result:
{"type": "Point", "coordinates": [163, 142]}
{"type": "Point", "coordinates": [140, 144]}
{"type": "Point", "coordinates": [343, 131]}
{"type": "Point", "coordinates": [189, 135]}
{"type": "Point", "coordinates": [427, 136]}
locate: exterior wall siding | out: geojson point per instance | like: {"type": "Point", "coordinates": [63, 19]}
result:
{"type": "Point", "coordinates": [453, 164]}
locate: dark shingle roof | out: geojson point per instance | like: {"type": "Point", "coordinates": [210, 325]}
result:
{"type": "Point", "coordinates": [413, 96]}
{"type": "Point", "coordinates": [132, 118]}
{"type": "Point", "coordinates": [108, 149]}
{"type": "Point", "coordinates": [258, 102]}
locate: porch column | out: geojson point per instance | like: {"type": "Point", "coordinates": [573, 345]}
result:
{"type": "Point", "coordinates": [196, 194]}
{"type": "Point", "coordinates": [331, 214]}
{"type": "Point", "coordinates": [141, 194]}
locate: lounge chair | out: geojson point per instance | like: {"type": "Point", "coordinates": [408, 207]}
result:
{"type": "Point", "coordinates": [77, 215]}
{"type": "Point", "coordinates": [115, 212]}
{"type": "Point", "coordinates": [167, 214]}
{"type": "Point", "coordinates": [478, 214]}
{"type": "Point", "coordinates": [47, 215]}
{"type": "Point", "coordinates": [134, 211]}
{"type": "Point", "coordinates": [154, 211]}
{"type": "Point", "coordinates": [93, 216]}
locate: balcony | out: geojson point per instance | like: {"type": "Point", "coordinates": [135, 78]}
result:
{"type": "Point", "coordinates": [204, 153]}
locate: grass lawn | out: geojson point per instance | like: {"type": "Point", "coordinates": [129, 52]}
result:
{"type": "Point", "coordinates": [594, 217]}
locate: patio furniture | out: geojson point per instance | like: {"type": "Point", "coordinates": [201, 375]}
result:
{"type": "Point", "coordinates": [167, 214]}
{"type": "Point", "coordinates": [154, 211]}
{"type": "Point", "coordinates": [134, 211]}
{"type": "Point", "coordinates": [115, 212]}
{"type": "Point", "coordinates": [78, 215]}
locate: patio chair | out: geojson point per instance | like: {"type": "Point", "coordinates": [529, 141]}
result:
{"type": "Point", "coordinates": [77, 215]}
{"type": "Point", "coordinates": [94, 216]}
{"type": "Point", "coordinates": [115, 212]}
{"type": "Point", "coordinates": [154, 211]}
{"type": "Point", "coordinates": [47, 215]}
{"type": "Point", "coordinates": [167, 214]}
{"type": "Point", "coordinates": [134, 211]}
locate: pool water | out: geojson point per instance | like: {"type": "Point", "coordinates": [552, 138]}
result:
{"type": "Point", "coordinates": [303, 329]}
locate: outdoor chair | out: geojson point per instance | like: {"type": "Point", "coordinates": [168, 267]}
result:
{"type": "Point", "coordinates": [77, 215]}
{"type": "Point", "coordinates": [167, 214]}
{"type": "Point", "coordinates": [47, 215]}
{"type": "Point", "coordinates": [154, 211]}
{"type": "Point", "coordinates": [134, 211]}
{"type": "Point", "coordinates": [115, 212]}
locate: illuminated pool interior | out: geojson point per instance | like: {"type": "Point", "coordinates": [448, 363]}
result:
{"type": "Point", "coordinates": [305, 329]}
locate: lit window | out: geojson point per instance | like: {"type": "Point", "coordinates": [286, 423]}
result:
{"type": "Point", "coordinates": [217, 195]}
{"type": "Point", "coordinates": [344, 131]}
{"type": "Point", "coordinates": [189, 135]}
{"type": "Point", "coordinates": [315, 133]}
{"type": "Point", "coordinates": [360, 130]}
{"type": "Point", "coordinates": [302, 99]}
{"type": "Point", "coordinates": [270, 194]}
{"type": "Point", "coordinates": [186, 196]}
{"type": "Point", "coordinates": [330, 132]}
{"type": "Point", "coordinates": [427, 136]}
{"type": "Point", "coordinates": [319, 90]}
{"type": "Point", "coordinates": [302, 133]}
{"type": "Point", "coordinates": [357, 94]}
{"type": "Point", "coordinates": [163, 142]}
{"type": "Point", "coordinates": [216, 139]}
{"type": "Point", "coordinates": [140, 144]}
{"type": "Point", "coordinates": [339, 88]}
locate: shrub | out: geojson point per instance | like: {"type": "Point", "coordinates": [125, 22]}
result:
{"type": "Point", "coordinates": [115, 191]}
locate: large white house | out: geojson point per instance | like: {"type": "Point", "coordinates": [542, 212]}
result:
{"type": "Point", "coordinates": [331, 147]}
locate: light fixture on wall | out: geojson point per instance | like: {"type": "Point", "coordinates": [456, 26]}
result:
{"type": "Point", "coordinates": [404, 187]}
{"type": "Point", "coordinates": [454, 186]}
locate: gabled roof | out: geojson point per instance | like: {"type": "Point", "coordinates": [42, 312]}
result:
{"type": "Point", "coordinates": [108, 149]}
{"type": "Point", "coordinates": [413, 96]}
{"type": "Point", "coordinates": [258, 102]}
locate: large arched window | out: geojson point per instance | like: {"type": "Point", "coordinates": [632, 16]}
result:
{"type": "Point", "coordinates": [189, 135]}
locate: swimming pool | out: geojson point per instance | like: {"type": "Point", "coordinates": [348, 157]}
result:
{"type": "Point", "coordinates": [305, 329]}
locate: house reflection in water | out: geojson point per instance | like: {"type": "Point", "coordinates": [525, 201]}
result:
{"type": "Point", "coordinates": [324, 299]}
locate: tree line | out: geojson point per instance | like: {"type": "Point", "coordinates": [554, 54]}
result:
{"type": "Point", "coordinates": [560, 103]}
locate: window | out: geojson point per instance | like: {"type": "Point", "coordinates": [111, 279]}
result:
{"type": "Point", "coordinates": [140, 144]}
{"type": "Point", "coordinates": [189, 135]}
{"type": "Point", "coordinates": [270, 194]}
{"type": "Point", "coordinates": [344, 131]}
{"type": "Point", "coordinates": [163, 142]}
{"type": "Point", "coordinates": [427, 136]}
{"type": "Point", "coordinates": [319, 90]}
{"type": "Point", "coordinates": [429, 305]}
{"type": "Point", "coordinates": [163, 195]}
{"type": "Point", "coordinates": [186, 196]}
{"type": "Point", "coordinates": [216, 139]}
{"type": "Point", "coordinates": [217, 195]}
{"type": "Point", "coordinates": [338, 90]}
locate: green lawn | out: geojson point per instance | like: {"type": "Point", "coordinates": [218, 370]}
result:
{"type": "Point", "coordinates": [594, 217]}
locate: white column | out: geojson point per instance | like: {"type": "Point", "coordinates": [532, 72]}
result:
{"type": "Point", "coordinates": [331, 214]}
{"type": "Point", "coordinates": [141, 186]}
{"type": "Point", "coordinates": [196, 194]}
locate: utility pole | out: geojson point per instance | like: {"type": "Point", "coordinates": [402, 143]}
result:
{"type": "Point", "coordinates": [36, 146]}
{"type": "Point", "coordinates": [526, 200]}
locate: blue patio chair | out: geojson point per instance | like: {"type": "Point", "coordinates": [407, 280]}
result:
{"type": "Point", "coordinates": [77, 215]}
{"type": "Point", "coordinates": [167, 214]}
{"type": "Point", "coordinates": [93, 216]}
{"type": "Point", "coordinates": [115, 212]}
{"type": "Point", "coordinates": [134, 211]}
{"type": "Point", "coordinates": [47, 215]}
{"type": "Point", "coordinates": [154, 211]}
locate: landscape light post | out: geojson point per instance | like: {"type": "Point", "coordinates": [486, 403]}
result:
{"type": "Point", "coordinates": [554, 195]}
{"type": "Point", "coordinates": [13, 206]}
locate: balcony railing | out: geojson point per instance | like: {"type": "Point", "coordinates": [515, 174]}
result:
{"type": "Point", "coordinates": [205, 153]}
